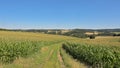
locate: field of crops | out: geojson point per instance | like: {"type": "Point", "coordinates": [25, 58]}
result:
{"type": "Point", "coordinates": [102, 52]}
{"type": "Point", "coordinates": [35, 50]}
{"type": "Point", "coordinates": [96, 56]}
{"type": "Point", "coordinates": [13, 46]}
{"type": "Point", "coordinates": [9, 51]}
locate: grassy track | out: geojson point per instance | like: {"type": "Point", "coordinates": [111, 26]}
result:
{"type": "Point", "coordinates": [51, 60]}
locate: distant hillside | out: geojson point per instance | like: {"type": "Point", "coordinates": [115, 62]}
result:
{"type": "Point", "coordinates": [82, 33]}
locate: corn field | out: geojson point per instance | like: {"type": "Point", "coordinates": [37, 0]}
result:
{"type": "Point", "coordinates": [26, 50]}
{"type": "Point", "coordinates": [94, 55]}
{"type": "Point", "coordinates": [14, 45]}
{"type": "Point", "coordinates": [9, 50]}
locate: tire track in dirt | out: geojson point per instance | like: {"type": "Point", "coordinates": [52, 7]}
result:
{"type": "Point", "coordinates": [61, 60]}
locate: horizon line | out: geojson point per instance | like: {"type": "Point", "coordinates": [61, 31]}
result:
{"type": "Point", "coordinates": [55, 28]}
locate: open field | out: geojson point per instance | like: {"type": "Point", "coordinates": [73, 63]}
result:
{"type": "Point", "coordinates": [35, 50]}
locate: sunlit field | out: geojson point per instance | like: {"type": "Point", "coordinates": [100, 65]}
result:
{"type": "Point", "coordinates": [36, 50]}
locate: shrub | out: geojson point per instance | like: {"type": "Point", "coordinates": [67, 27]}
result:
{"type": "Point", "coordinates": [92, 36]}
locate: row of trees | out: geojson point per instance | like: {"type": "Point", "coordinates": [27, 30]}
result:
{"type": "Point", "coordinates": [80, 33]}
{"type": "Point", "coordinates": [116, 34]}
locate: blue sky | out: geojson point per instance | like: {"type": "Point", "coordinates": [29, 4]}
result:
{"type": "Point", "coordinates": [59, 14]}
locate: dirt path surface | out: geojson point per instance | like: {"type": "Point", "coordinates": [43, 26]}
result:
{"type": "Point", "coordinates": [61, 60]}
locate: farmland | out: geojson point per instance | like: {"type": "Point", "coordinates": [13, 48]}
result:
{"type": "Point", "coordinates": [36, 50]}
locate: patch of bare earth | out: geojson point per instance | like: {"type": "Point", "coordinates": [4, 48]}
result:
{"type": "Point", "coordinates": [61, 60]}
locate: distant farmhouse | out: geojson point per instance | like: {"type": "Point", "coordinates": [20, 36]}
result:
{"type": "Point", "coordinates": [65, 31]}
